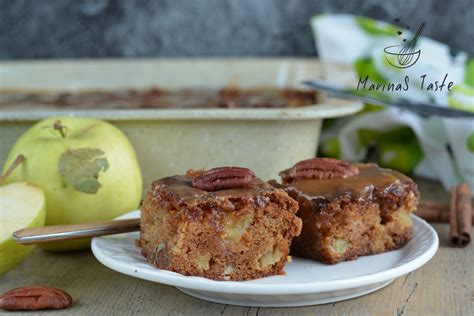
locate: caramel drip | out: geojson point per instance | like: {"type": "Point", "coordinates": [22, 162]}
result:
{"type": "Point", "coordinates": [359, 186]}
{"type": "Point", "coordinates": [181, 187]}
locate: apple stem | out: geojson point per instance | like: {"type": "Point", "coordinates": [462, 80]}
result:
{"type": "Point", "coordinates": [12, 167]}
{"type": "Point", "coordinates": [61, 128]}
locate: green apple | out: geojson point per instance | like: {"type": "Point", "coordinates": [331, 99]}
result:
{"type": "Point", "coordinates": [367, 136]}
{"type": "Point", "coordinates": [400, 134]}
{"type": "Point", "coordinates": [403, 157]}
{"type": "Point", "coordinates": [330, 148]}
{"type": "Point", "coordinates": [470, 142]}
{"type": "Point", "coordinates": [87, 168]}
{"type": "Point", "coordinates": [21, 205]}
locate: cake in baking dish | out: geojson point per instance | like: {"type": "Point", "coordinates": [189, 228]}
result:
{"type": "Point", "coordinates": [160, 98]}
{"type": "Point", "coordinates": [221, 224]}
{"type": "Point", "coordinates": [349, 210]}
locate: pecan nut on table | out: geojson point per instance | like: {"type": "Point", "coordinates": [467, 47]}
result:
{"type": "Point", "coordinates": [34, 298]}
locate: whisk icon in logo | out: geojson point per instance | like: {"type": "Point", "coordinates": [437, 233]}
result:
{"type": "Point", "coordinates": [405, 55]}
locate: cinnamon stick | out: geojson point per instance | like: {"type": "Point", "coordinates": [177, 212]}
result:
{"type": "Point", "coordinates": [460, 215]}
{"type": "Point", "coordinates": [433, 212]}
{"type": "Point", "coordinates": [453, 216]}
{"type": "Point", "coordinates": [464, 213]}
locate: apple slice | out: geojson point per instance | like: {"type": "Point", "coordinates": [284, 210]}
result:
{"type": "Point", "coordinates": [21, 205]}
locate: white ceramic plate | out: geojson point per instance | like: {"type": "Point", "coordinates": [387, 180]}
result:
{"type": "Point", "coordinates": [306, 282]}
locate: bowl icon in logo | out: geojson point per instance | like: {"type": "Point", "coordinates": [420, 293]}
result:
{"type": "Point", "coordinates": [403, 58]}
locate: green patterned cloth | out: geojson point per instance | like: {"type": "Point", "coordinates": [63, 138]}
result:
{"type": "Point", "coordinates": [434, 147]}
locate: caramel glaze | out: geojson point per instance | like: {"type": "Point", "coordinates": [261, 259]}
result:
{"type": "Point", "coordinates": [371, 181]}
{"type": "Point", "coordinates": [182, 191]}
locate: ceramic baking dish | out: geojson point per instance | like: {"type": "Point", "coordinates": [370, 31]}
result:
{"type": "Point", "coordinates": [170, 141]}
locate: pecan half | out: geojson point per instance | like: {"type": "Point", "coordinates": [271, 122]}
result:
{"type": "Point", "coordinates": [34, 298]}
{"type": "Point", "coordinates": [223, 178]}
{"type": "Point", "coordinates": [319, 168]}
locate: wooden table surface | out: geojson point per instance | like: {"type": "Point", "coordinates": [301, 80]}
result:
{"type": "Point", "coordinates": [444, 286]}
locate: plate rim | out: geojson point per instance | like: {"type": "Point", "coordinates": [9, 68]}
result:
{"type": "Point", "coordinates": [278, 303]}
{"type": "Point", "coordinates": [239, 287]}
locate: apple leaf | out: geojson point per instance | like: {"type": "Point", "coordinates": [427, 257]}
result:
{"type": "Point", "coordinates": [80, 168]}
